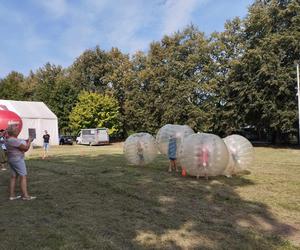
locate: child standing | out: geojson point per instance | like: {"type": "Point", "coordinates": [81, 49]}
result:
{"type": "Point", "coordinates": [140, 153]}
{"type": "Point", "coordinates": [172, 151]}
{"type": "Point", "coordinates": [203, 160]}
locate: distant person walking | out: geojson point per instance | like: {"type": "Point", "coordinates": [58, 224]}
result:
{"type": "Point", "coordinates": [46, 138]}
{"type": "Point", "coordinates": [15, 152]}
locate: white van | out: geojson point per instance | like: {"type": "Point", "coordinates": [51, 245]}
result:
{"type": "Point", "coordinates": [93, 136]}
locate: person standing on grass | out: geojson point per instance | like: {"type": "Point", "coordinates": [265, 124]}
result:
{"type": "Point", "coordinates": [140, 153]}
{"type": "Point", "coordinates": [16, 149]}
{"type": "Point", "coordinates": [3, 150]}
{"type": "Point", "coordinates": [46, 138]}
{"type": "Point", "coordinates": [172, 151]}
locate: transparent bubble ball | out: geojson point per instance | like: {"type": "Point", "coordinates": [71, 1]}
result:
{"type": "Point", "coordinates": [241, 154]}
{"type": "Point", "coordinates": [169, 131]}
{"type": "Point", "coordinates": [204, 155]}
{"type": "Point", "coordinates": [140, 149]}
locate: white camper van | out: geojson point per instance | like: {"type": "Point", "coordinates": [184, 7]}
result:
{"type": "Point", "coordinates": [93, 136]}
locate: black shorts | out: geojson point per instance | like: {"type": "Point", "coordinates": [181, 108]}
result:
{"type": "Point", "coordinates": [3, 156]}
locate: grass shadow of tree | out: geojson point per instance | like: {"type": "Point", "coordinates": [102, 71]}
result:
{"type": "Point", "coordinates": [99, 201]}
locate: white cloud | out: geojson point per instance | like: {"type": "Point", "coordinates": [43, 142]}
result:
{"type": "Point", "coordinates": [56, 8]}
{"type": "Point", "coordinates": [75, 40]}
{"type": "Point", "coordinates": [97, 4]}
{"type": "Point", "coordinates": [178, 14]}
{"type": "Point", "coordinates": [126, 24]}
{"type": "Point", "coordinates": [106, 24]}
{"type": "Point", "coordinates": [80, 31]}
{"type": "Point", "coordinates": [74, 26]}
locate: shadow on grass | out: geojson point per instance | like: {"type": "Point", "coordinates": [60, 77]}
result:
{"type": "Point", "coordinates": [101, 203]}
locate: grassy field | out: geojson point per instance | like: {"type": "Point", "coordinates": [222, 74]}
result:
{"type": "Point", "coordinates": [89, 198]}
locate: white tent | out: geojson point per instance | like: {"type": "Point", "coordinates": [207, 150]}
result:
{"type": "Point", "coordinates": [37, 118]}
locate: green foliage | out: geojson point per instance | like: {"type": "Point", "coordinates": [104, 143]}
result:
{"type": "Point", "coordinates": [11, 87]}
{"type": "Point", "coordinates": [54, 87]}
{"type": "Point", "coordinates": [243, 76]}
{"type": "Point", "coordinates": [95, 110]}
{"type": "Point", "coordinates": [227, 48]}
{"type": "Point", "coordinates": [119, 77]}
{"type": "Point", "coordinates": [44, 81]}
{"type": "Point", "coordinates": [170, 82]}
{"type": "Point", "coordinates": [64, 97]}
{"type": "Point", "coordinates": [263, 79]}
{"type": "Point", "coordinates": [89, 69]}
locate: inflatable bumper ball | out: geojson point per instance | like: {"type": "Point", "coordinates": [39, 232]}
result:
{"type": "Point", "coordinates": [241, 154]}
{"type": "Point", "coordinates": [140, 149]}
{"type": "Point", "coordinates": [9, 118]}
{"type": "Point", "coordinates": [204, 155]}
{"type": "Point", "coordinates": [172, 134]}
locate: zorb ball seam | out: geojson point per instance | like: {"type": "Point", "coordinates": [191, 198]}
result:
{"type": "Point", "coordinates": [204, 155]}
{"type": "Point", "coordinates": [140, 149]}
{"type": "Point", "coordinates": [241, 154]}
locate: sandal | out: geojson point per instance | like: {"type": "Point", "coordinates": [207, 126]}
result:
{"type": "Point", "coordinates": [15, 198]}
{"type": "Point", "coordinates": [29, 198]}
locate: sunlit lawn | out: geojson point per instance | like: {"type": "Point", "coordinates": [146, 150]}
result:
{"type": "Point", "coordinates": [89, 198]}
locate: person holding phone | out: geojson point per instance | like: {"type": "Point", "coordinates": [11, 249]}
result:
{"type": "Point", "coordinates": [16, 149]}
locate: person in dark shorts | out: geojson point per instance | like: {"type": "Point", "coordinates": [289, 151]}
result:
{"type": "Point", "coordinates": [46, 139]}
{"type": "Point", "coordinates": [15, 152]}
{"type": "Point", "coordinates": [172, 151]}
{"type": "Point", "coordinates": [3, 150]}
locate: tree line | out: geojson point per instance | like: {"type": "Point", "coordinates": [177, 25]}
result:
{"type": "Point", "coordinates": [242, 77]}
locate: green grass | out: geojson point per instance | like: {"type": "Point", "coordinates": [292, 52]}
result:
{"type": "Point", "coordinates": [89, 198]}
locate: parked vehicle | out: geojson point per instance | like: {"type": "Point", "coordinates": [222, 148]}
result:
{"type": "Point", "coordinates": [93, 136]}
{"type": "Point", "coordinates": [66, 139]}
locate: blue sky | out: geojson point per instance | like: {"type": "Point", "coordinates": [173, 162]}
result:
{"type": "Point", "coordinates": [34, 32]}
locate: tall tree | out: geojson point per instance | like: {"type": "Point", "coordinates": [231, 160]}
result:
{"type": "Point", "coordinates": [53, 86]}
{"type": "Point", "coordinates": [264, 78]}
{"type": "Point", "coordinates": [95, 110]}
{"type": "Point", "coordinates": [44, 80]}
{"type": "Point", "coordinates": [89, 69]}
{"type": "Point", "coordinates": [227, 48]}
{"type": "Point", "coordinates": [187, 92]}
{"type": "Point", "coordinates": [170, 82]}
{"type": "Point", "coordinates": [64, 98]}
{"type": "Point", "coordinates": [11, 87]}
{"type": "Point", "coordinates": [117, 78]}
{"type": "Point", "coordinates": [135, 96]}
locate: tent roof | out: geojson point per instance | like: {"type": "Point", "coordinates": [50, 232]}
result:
{"type": "Point", "coordinates": [32, 110]}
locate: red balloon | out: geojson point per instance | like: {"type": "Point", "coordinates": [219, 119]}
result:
{"type": "Point", "coordinates": [10, 118]}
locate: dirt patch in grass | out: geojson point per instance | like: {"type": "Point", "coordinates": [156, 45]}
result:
{"type": "Point", "coordinates": [89, 198]}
